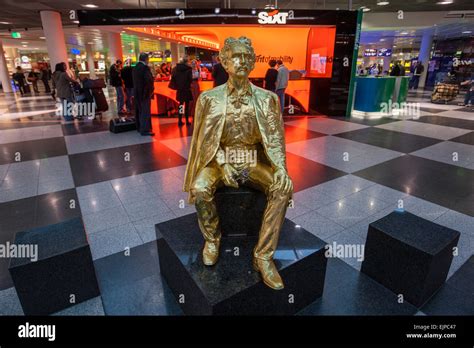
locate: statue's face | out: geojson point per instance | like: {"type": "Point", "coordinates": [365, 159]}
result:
{"type": "Point", "coordinates": [239, 62]}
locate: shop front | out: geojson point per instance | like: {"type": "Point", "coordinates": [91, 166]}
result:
{"type": "Point", "coordinates": [316, 46]}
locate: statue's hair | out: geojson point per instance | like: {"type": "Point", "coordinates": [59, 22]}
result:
{"type": "Point", "coordinates": [230, 41]}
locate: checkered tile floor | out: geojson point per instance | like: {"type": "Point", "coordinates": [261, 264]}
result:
{"type": "Point", "coordinates": [346, 172]}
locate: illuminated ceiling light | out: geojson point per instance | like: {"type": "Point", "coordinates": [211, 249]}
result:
{"type": "Point", "coordinates": [5, 23]}
{"type": "Point", "coordinates": [177, 11]}
{"type": "Point", "coordinates": [25, 45]}
{"type": "Point", "coordinates": [467, 32]}
{"type": "Point", "coordinates": [217, 10]}
{"type": "Point", "coordinates": [76, 22]}
{"type": "Point", "coordinates": [90, 6]}
{"type": "Point", "coordinates": [382, 3]}
{"type": "Point", "coordinates": [42, 37]}
{"type": "Point", "coordinates": [445, 2]}
{"type": "Point", "coordinates": [24, 42]}
{"type": "Point", "coordinates": [36, 48]}
{"type": "Point", "coordinates": [254, 11]}
{"type": "Point", "coordinates": [366, 9]}
{"type": "Point", "coordinates": [404, 33]}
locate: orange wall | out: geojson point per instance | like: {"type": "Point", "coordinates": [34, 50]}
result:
{"type": "Point", "coordinates": [321, 42]}
{"type": "Point", "coordinates": [270, 42]}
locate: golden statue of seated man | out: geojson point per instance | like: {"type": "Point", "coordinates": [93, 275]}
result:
{"type": "Point", "coordinates": [239, 139]}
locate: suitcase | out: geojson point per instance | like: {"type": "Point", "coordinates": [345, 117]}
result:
{"type": "Point", "coordinates": [125, 124]}
{"type": "Point", "coordinates": [100, 100]}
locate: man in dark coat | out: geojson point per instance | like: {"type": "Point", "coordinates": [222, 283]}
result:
{"type": "Point", "coordinates": [183, 77]}
{"type": "Point", "coordinates": [143, 87]}
{"type": "Point", "coordinates": [219, 74]}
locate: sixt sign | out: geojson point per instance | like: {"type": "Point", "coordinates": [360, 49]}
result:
{"type": "Point", "coordinates": [274, 17]}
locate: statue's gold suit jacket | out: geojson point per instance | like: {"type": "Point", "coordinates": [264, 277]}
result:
{"type": "Point", "coordinates": [209, 123]}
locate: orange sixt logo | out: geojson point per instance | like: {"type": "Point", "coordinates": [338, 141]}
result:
{"type": "Point", "coordinates": [274, 17]}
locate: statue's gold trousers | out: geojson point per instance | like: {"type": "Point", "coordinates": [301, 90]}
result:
{"type": "Point", "coordinates": [259, 177]}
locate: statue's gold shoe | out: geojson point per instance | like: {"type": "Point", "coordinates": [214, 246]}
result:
{"type": "Point", "coordinates": [210, 253]}
{"type": "Point", "coordinates": [269, 273]}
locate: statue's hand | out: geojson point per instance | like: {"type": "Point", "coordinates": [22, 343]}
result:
{"type": "Point", "coordinates": [229, 175]}
{"type": "Point", "coordinates": [282, 182]}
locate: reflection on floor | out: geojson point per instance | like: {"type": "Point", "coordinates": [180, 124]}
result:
{"type": "Point", "coordinates": [346, 172]}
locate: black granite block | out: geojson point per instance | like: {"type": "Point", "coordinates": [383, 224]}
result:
{"type": "Point", "coordinates": [240, 210]}
{"type": "Point", "coordinates": [232, 287]}
{"type": "Point", "coordinates": [63, 268]}
{"type": "Point", "coordinates": [456, 297]}
{"type": "Point", "coordinates": [409, 255]}
{"type": "Point", "coordinates": [349, 292]}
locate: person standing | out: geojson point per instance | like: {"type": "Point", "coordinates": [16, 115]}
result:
{"type": "Point", "coordinates": [282, 83]}
{"type": "Point", "coordinates": [19, 78]}
{"type": "Point", "coordinates": [195, 90]}
{"type": "Point", "coordinates": [469, 97]}
{"type": "Point", "coordinates": [417, 71]}
{"type": "Point", "coordinates": [62, 84]}
{"type": "Point", "coordinates": [33, 78]}
{"type": "Point", "coordinates": [143, 88]}
{"type": "Point", "coordinates": [127, 77]}
{"type": "Point", "coordinates": [219, 74]}
{"type": "Point", "coordinates": [395, 69]}
{"type": "Point", "coordinates": [183, 77]}
{"type": "Point", "coordinates": [116, 81]}
{"type": "Point", "coordinates": [44, 77]}
{"type": "Point", "coordinates": [271, 76]}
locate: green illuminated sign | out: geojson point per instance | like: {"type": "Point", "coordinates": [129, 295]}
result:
{"type": "Point", "coordinates": [16, 35]}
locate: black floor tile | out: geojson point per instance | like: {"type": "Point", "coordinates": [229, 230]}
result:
{"type": "Point", "coordinates": [306, 173]}
{"type": "Point", "coordinates": [28, 213]}
{"type": "Point", "coordinates": [352, 293]}
{"type": "Point", "coordinates": [293, 134]}
{"type": "Point", "coordinates": [55, 207]}
{"type": "Point", "coordinates": [465, 109]}
{"type": "Point", "coordinates": [396, 141]}
{"type": "Point", "coordinates": [147, 296]}
{"type": "Point", "coordinates": [437, 182]}
{"type": "Point", "coordinates": [449, 301]}
{"type": "Point", "coordinates": [366, 121]}
{"type": "Point", "coordinates": [432, 110]}
{"type": "Point", "coordinates": [447, 121]}
{"type": "Point", "coordinates": [26, 123]}
{"type": "Point", "coordinates": [132, 285]}
{"type": "Point", "coordinates": [120, 269]}
{"type": "Point", "coordinates": [86, 126]}
{"type": "Point", "coordinates": [467, 138]}
{"type": "Point", "coordinates": [93, 167]}
{"type": "Point", "coordinates": [33, 149]}
{"type": "Point", "coordinates": [463, 279]}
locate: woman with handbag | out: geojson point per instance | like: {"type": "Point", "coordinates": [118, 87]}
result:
{"type": "Point", "coordinates": [62, 83]}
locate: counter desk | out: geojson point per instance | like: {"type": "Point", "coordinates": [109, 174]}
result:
{"type": "Point", "coordinates": [373, 94]}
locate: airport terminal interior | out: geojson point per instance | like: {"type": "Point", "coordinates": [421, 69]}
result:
{"type": "Point", "coordinates": [378, 117]}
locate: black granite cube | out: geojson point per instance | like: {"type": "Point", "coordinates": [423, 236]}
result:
{"type": "Point", "coordinates": [232, 287]}
{"type": "Point", "coordinates": [64, 267]}
{"type": "Point", "coordinates": [409, 255]}
{"type": "Point", "coordinates": [240, 210]}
